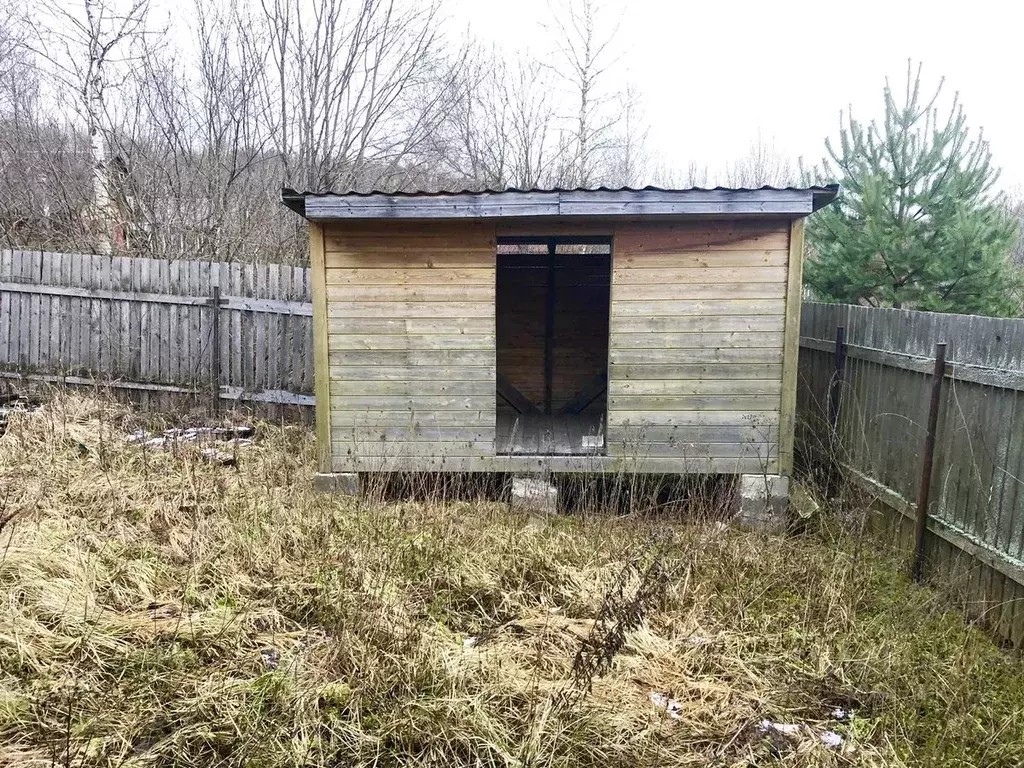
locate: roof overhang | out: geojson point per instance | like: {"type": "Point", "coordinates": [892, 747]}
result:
{"type": "Point", "coordinates": [514, 203]}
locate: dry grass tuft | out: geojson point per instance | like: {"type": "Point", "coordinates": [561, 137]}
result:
{"type": "Point", "coordinates": [157, 609]}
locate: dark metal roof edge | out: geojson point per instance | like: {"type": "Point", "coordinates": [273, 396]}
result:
{"type": "Point", "coordinates": [501, 201]}
{"type": "Point", "coordinates": [294, 200]}
{"type": "Point", "coordinates": [830, 191]}
{"type": "Point", "coordinates": [822, 196]}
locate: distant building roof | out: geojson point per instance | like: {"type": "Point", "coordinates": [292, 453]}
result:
{"type": "Point", "coordinates": [602, 201]}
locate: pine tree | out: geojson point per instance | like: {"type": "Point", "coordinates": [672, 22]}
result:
{"type": "Point", "coordinates": [917, 225]}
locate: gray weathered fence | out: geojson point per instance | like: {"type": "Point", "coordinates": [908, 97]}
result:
{"type": "Point", "coordinates": [214, 332]}
{"type": "Point", "coordinates": [161, 330]}
{"type": "Point", "coordinates": [976, 493]}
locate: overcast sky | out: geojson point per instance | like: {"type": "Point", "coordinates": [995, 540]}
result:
{"type": "Point", "coordinates": [717, 75]}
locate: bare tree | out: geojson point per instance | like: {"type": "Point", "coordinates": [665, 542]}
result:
{"type": "Point", "coordinates": [14, 59]}
{"type": "Point", "coordinates": [584, 47]}
{"type": "Point", "coordinates": [628, 158]}
{"type": "Point", "coordinates": [191, 159]}
{"type": "Point", "coordinates": [344, 80]}
{"type": "Point", "coordinates": [43, 166]}
{"type": "Point", "coordinates": [762, 165]}
{"type": "Point", "coordinates": [500, 125]}
{"type": "Point", "coordinates": [88, 48]}
{"type": "Point", "coordinates": [116, 136]}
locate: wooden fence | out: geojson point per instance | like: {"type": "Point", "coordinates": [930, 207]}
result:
{"type": "Point", "coordinates": [975, 522]}
{"type": "Point", "coordinates": [159, 330]}
{"type": "Point", "coordinates": [217, 333]}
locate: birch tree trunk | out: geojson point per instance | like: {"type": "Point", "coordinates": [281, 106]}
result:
{"type": "Point", "coordinates": [102, 219]}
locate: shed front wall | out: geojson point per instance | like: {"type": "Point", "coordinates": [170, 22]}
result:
{"type": "Point", "coordinates": [697, 334]}
{"type": "Point", "coordinates": [411, 343]}
{"type": "Point", "coordinates": [696, 345]}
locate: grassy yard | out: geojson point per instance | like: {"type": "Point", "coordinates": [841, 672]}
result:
{"type": "Point", "coordinates": [156, 608]}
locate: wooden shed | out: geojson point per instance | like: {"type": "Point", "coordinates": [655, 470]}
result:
{"type": "Point", "coordinates": [605, 330]}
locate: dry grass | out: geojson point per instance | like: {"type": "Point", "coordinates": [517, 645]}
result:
{"type": "Point", "coordinates": [156, 609]}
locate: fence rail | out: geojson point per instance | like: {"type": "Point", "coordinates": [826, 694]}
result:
{"type": "Point", "coordinates": [155, 328]}
{"type": "Point", "coordinates": [867, 407]}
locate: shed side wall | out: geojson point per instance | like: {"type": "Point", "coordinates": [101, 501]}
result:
{"type": "Point", "coordinates": [696, 341]}
{"type": "Point", "coordinates": [411, 341]}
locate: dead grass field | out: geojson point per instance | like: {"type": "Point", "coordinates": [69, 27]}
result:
{"type": "Point", "coordinates": [156, 609]}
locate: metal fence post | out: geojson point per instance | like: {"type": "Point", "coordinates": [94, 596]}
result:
{"type": "Point", "coordinates": [938, 374]}
{"type": "Point", "coordinates": [215, 350]}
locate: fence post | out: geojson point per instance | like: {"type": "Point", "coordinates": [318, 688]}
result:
{"type": "Point", "coordinates": [938, 374]}
{"type": "Point", "coordinates": [837, 379]}
{"type": "Point", "coordinates": [834, 403]}
{"type": "Point", "coordinates": [215, 350]}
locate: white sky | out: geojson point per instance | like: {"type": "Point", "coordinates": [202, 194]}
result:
{"type": "Point", "coordinates": [716, 76]}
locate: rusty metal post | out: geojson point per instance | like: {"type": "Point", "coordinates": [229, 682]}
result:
{"type": "Point", "coordinates": [215, 350]}
{"type": "Point", "coordinates": [938, 374]}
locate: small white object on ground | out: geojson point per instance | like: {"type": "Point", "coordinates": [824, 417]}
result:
{"type": "Point", "coordinates": [842, 714]}
{"type": "Point", "coordinates": [671, 706]}
{"type": "Point", "coordinates": [828, 738]}
{"type": "Point", "coordinates": [787, 729]}
{"type": "Point", "coordinates": [831, 739]}
{"type": "Point", "coordinates": [469, 642]}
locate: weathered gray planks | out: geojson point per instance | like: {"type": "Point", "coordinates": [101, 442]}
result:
{"type": "Point", "coordinates": [144, 326]}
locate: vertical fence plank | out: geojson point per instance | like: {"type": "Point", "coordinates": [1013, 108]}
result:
{"type": "Point", "coordinates": [17, 324]}
{"type": "Point", "coordinates": [259, 321]}
{"type": "Point", "coordinates": [35, 343]}
{"type": "Point", "coordinates": [5, 309]}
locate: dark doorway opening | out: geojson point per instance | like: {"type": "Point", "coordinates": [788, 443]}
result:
{"type": "Point", "coordinates": [553, 299]}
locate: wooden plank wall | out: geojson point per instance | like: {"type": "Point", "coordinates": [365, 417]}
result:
{"type": "Point", "coordinates": [410, 312]}
{"type": "Point", "coordinates": [977, 497]}
{"type": "Point", "coordinates": [144, 326]}
{"type": "Point", "coordinates": [696, 341]}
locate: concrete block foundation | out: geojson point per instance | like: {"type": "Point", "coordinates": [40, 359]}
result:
{"type": "Point", "coordinates": [531, 494]}
{"type": "Point", "coordinates": [345, 483]}
{"type": "Point", "coordinates": [761, 502]}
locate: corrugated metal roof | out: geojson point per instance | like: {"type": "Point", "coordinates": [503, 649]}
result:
{"type": "Point", "coordinates": [559, 201]}
{"type": "Point", "coordinates": [830, 188]}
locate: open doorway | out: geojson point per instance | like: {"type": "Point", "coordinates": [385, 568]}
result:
{"type": "Point", "coordinates": [553, 298]}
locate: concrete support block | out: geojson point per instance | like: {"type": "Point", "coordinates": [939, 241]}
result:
{"type": "Point", "coordinates": [761, 502]}
{"type": "Point", "coordinates": [531, 494]}
{"type": "Point", "coordinates": [345, 483]}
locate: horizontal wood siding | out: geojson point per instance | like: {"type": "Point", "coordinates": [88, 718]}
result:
{"type": "Point", "coordinates": [410, 317]}
{"type": "Point", "coordinates": [696, 342]}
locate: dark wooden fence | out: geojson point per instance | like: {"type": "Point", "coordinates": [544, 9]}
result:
{"type": "Point", "coordinates": [163, 331]}
{"type": "Point", "coordinates": [975, 510]}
